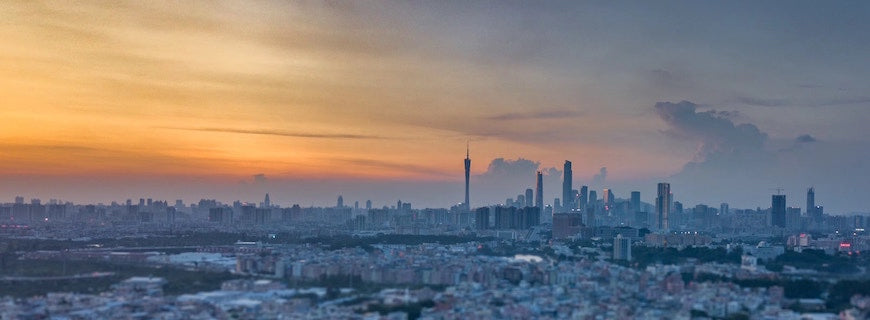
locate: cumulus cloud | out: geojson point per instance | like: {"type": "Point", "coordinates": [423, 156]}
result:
{"type": "Point", "coordinates": [714, 132]}
{"type": "Point", "coordinates": [507, 178]}
{"type": "Point", "coordinates": [600, 178]}
{"type": "Point", "coordinates": [738, 163]}
{"type": "Point", "coordinates": [805, 138]}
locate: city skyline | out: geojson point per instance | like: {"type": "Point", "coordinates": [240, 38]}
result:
{"type": "Point", "coordinates": [374, 100]}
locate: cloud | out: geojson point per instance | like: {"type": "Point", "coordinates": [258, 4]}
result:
{"type": "Point", "coordinates": [259, 179]}
{"type": "Point", "coordinates": [507, 178]}
{"type": "Point", "coordinates": [404, 167]}
{"type": "Point", "coordinates": [540, 115]}
{"type": "Point", "coordinates": [737, 163]}
{"type": "Point", "coordinates": [281, 133]}
{"type": "Point", "coordinates": [805, 138]}
{"type": "Point", "coordinates": [759, 102]}
{"type": "Point", "coordinates": [600, 178]}
{"type": "Point", "coordinates": [714, 132]}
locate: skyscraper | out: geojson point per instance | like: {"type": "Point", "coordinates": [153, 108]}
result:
{"type": "Point", "coordinates": [607, 197]}
{"type": "Point", "coordinates": [777, 210]}
{"type": "Point", "coordinates": [663, 206]}
{"type": "Point", "coordinates": [539, 192]}
{"type": "Point", "coordinates": [340, 202]}
{"type": "Point", "coordinates": [267, 202]}
{"type": "Point", "coordinates": [635, 201]}
{"type": "Point", "coordinates": [593, 199]}
{"type": "Point", "coordinates": [811, 202]}
{"type": "Point", "coordinates": [584, 197]}
{"type": "Point", "coordinates": [530, 197]}
{"type": "Point", "coordinates": [467, 177]}
{"type": "Point", "coordinates": [567, 186]}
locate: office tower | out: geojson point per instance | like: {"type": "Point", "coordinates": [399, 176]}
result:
{"type": "Point", "coordinates": [811, 202]}
{"type": "Point", "coordinates": [635, 201]}
{"type": "Point", "coordinates": [593, 199]}
{"type": "Point", "coordinates": [724, 209]}
{"type": "Point", "coordinates": [567, 186]}
{"type": "Point", "coordinates": [267, 202]}
{"type": "Point", "coordinates": [521, 200]}
{"type": "Point", "coordinates": [539, 192]}
{"type": "Point", "coordinates": [530, 198]}
{"type": "Point", "coordinates": [621, 248]}
{"type": "Point", "coordinates": [607, 197]}
{"type": "Point", "coordinates": [340, 202]}
{"type": "Point", "coordinates": [663, 206]}
{"type": "Point", "coordinates": [467, 203]}
{"type": "Point", "coordinates": [575, 199]}
{"type": "Point", "coordinates": [584, 197]}
{"type": "Point", "coordinates": [777, 210]}
{"type": "Point", "coordinates": [481, 218]}
{"type": "Point", "coordinates": [368, 204]}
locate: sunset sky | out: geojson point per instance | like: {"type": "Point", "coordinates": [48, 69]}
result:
{"type": "Point", "coordinates": [110, 100]}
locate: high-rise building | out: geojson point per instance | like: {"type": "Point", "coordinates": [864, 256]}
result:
{"type": "Point", "coordinates": [607, 197]}
{"type": "Point", "coordinates": [267, 202]}
{"type": "Point", "coordinates": [777, 210]}
{"type": "Point", "coordinates": [467, 202]}
{"type": "Point", "coordinates": [663, 206]}
{"type": "Point", "coordinates": [593, 199]}
{"type": "Point", "coordinates": [567, 186]}
{"type": "Point", "coordinates": [724, 209]}
{"type": "Point", "coordinates": [566, 225]}
{"type": "Point", "coordinates": [811, 202]}
{"type": "Point", "coordinates": [539, 192]}
{"type": "Point", "coordinates": [621, 248]}
{"type": "Point", "coordinates": [584, 198]}
{"type": "Point", "coordinates": [340, 202]}
{"type": "Point", "coordinates": [530, 197]}
{"type": "Point", "coordinates": [481, 218]}
{"type": "Point", "coordinates": [368, 204]}
{"type": "Point", "coordinates": [635, 201]}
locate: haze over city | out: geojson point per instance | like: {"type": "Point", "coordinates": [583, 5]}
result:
{"type": "Point", "coordinates": [376, 100]}
{"type": "Point", "coordinates": [434, 160]}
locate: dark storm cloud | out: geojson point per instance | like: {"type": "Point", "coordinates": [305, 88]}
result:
{"type": "Point", "coordinates": [715, 132]}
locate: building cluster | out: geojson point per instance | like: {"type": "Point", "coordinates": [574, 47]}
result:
{"type": "Point", "coordinates": [474, 286]}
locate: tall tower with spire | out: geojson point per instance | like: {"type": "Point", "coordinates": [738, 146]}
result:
{"type": "Point", "coordinates": [467, 204]}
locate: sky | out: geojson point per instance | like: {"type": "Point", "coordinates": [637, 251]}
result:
{"type": "Point", "coordinates": [307, 100]}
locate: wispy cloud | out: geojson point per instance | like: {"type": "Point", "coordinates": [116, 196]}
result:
{"type": "Point", "coordinates": [280, 133]}
{"type": "Point", "coordinates": [412, 168]}
{"type": "Point", "coordinates": [538, 115]}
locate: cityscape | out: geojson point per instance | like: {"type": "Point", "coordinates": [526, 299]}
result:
{"type": "Point", "coordinates": [396, 160]}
